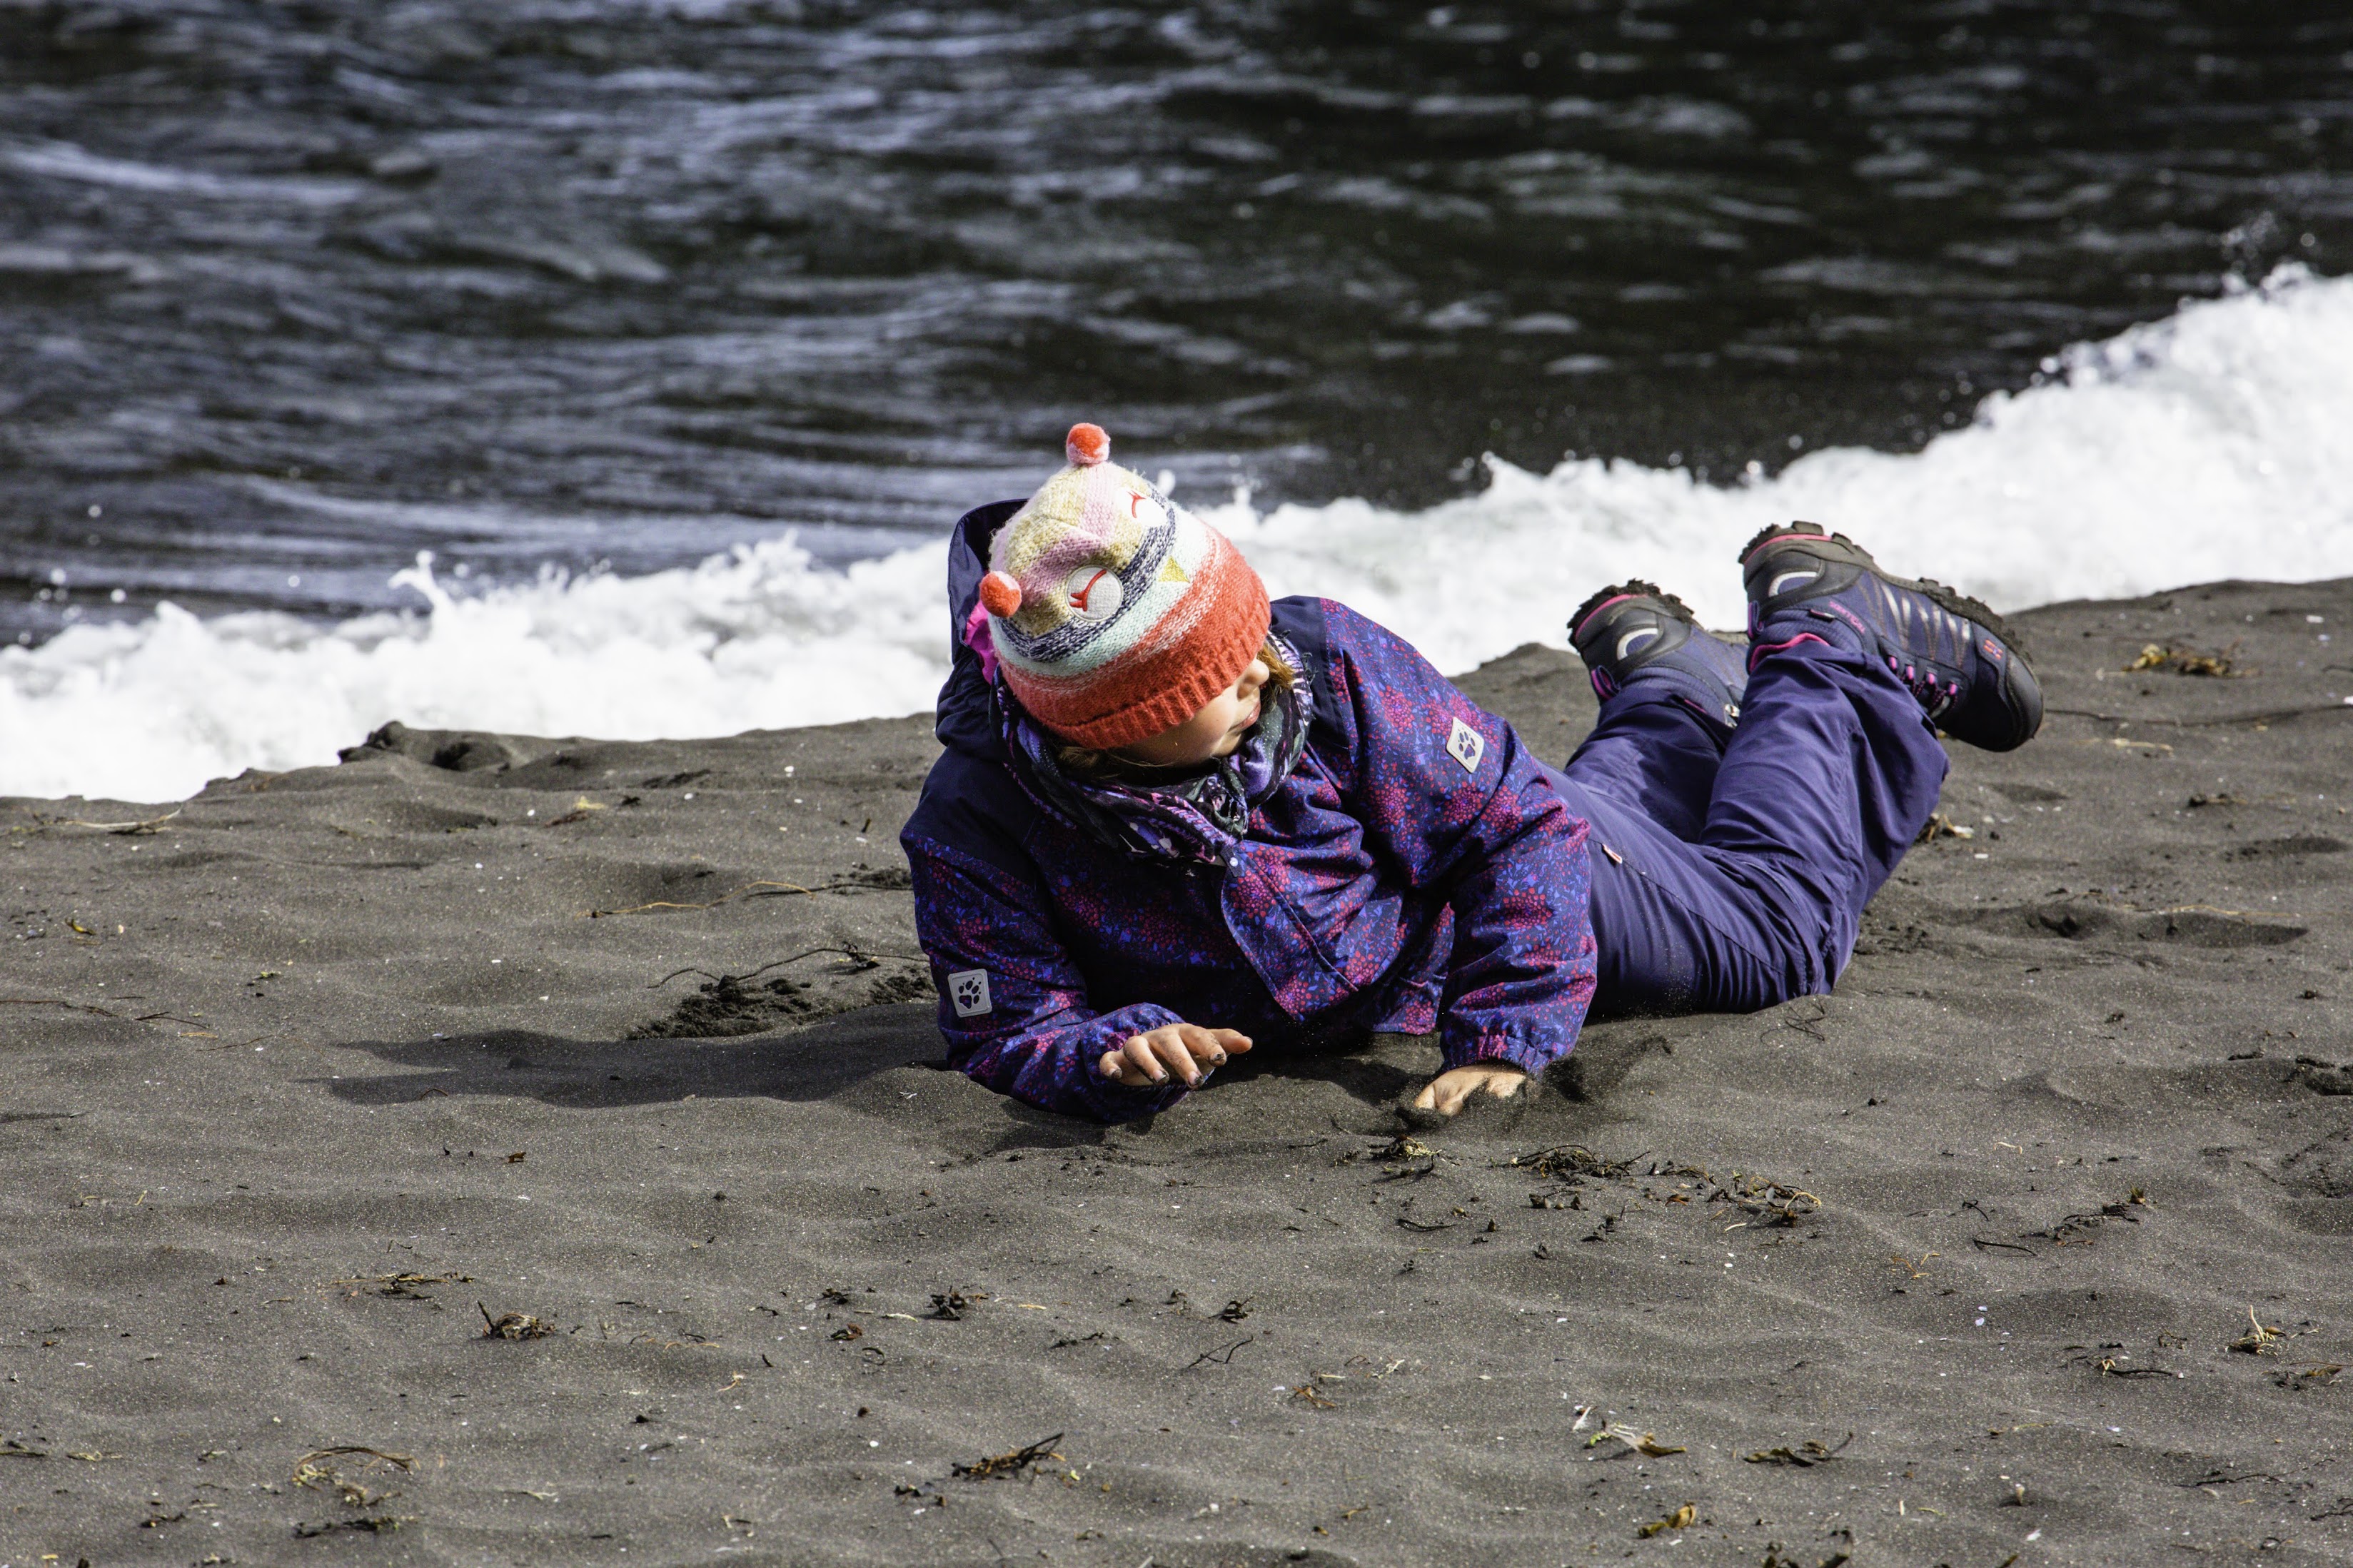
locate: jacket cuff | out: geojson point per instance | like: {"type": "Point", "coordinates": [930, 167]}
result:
{"type": "Point", "coordinates": [1107, 1099]}
{"type": "Point", "coordinates": [1531, 1056]}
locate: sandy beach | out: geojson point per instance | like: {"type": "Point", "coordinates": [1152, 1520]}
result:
{"type": "Point", "coordinates": [517, 1151]}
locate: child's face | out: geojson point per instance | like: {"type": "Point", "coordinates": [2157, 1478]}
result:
{"type": "Point", "coordinates": [1214, 731]}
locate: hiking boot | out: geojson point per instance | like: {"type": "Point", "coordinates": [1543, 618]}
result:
{"type": "Point", "coordinates": [1952, 653]}
{"type": "Point", "coordinates": [1635, 635]}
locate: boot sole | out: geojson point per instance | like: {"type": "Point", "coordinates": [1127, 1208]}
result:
{"type": "Point", "coordinates": [1633, 588]}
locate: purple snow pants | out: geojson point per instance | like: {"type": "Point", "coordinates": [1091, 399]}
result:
{"type": "Point", "coordinates": [1727, 877]}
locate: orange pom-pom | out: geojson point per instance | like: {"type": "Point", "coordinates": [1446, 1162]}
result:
{"type": "Point", "coordinates": [1087, 445]}
{"type": "Point", "coordinates": [1001, 594]}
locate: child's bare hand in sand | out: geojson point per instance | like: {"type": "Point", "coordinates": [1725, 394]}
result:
{"type": "Point", "coordinates": [1186, 1049]}
{"type": "Point", "coordinates": [1450, 1091]}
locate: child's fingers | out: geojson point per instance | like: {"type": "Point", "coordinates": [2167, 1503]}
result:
{"type": "Point", "coordinates": [1150, 1058]}
{"type": "Point", "coordinates": [1177, 1049]}
{"type": "Point", "coordinates": [1187, 1050]}
{"type": "Point", "coordinates": [1140, 1051]}
{"type": "Point", "coordinates": [1450, 1090]}
{"type": "Point", "coordinates": [1208, 1045]}
{"type": "Point", "coordinates": [1116, 1064]}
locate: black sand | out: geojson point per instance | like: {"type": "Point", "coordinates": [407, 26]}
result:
{"type": "Point", "coordinates": [309, 1083]}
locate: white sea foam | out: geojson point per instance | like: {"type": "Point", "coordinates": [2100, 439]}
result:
{"type": "Point", "coordinates": [2215, 443]}
{"type": "Point", "coordinates": [2218, 443]}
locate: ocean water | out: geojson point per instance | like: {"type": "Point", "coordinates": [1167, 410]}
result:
{"type": "Point", "coordinates": [616, 365]}
{"type": "Point", "coordinates": [290, 293]}
{"type": "Point", "coordinates": [2215, 443]}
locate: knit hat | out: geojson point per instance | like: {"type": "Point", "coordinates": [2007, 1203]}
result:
{"type": "Point", "coordinates": [1114, 614]}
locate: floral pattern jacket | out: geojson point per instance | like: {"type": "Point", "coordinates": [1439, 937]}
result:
{"type": "Point", "coordinates": [1414, 870]}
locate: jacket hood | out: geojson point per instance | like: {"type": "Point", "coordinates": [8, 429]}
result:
{"type": "Point", "coordinates": [966, 717]}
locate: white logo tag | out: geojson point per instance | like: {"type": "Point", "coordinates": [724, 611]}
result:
{"type": "Point", "coordinates": [1465, 746]}
{"type": "Point", "coordinates": [968, 989]}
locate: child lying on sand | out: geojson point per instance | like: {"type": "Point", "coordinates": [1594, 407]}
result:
{"type": "Point", "coordinates": [1175, 823]}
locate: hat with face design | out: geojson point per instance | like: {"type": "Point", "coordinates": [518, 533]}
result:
{"type": "Point", "coordinates": [1114, 614]}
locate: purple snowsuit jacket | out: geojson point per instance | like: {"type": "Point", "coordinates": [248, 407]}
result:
{"type": "Point", "coordinates": [1415, 869]}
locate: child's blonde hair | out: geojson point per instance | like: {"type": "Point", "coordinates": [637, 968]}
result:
{"type": "Point", "coordinates": [1086, 762]}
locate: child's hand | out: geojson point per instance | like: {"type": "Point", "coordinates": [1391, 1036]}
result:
{"type": "Point", "coordinates": [1450, 1091]}
{"type": "Point", "coordinates": [1187, 1049]}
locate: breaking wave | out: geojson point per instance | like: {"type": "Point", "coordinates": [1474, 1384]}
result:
{"type": "Point", "coordinates": [2217, 443]}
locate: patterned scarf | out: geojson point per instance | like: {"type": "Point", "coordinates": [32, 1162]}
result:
{"type": "Point", "coordinates": [1194, 816]}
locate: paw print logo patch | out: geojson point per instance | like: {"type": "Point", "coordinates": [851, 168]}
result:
{"type": "Point", "coordinates": [1465, 746]}
{"type": "Point", "coordinates": [968, 989]}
